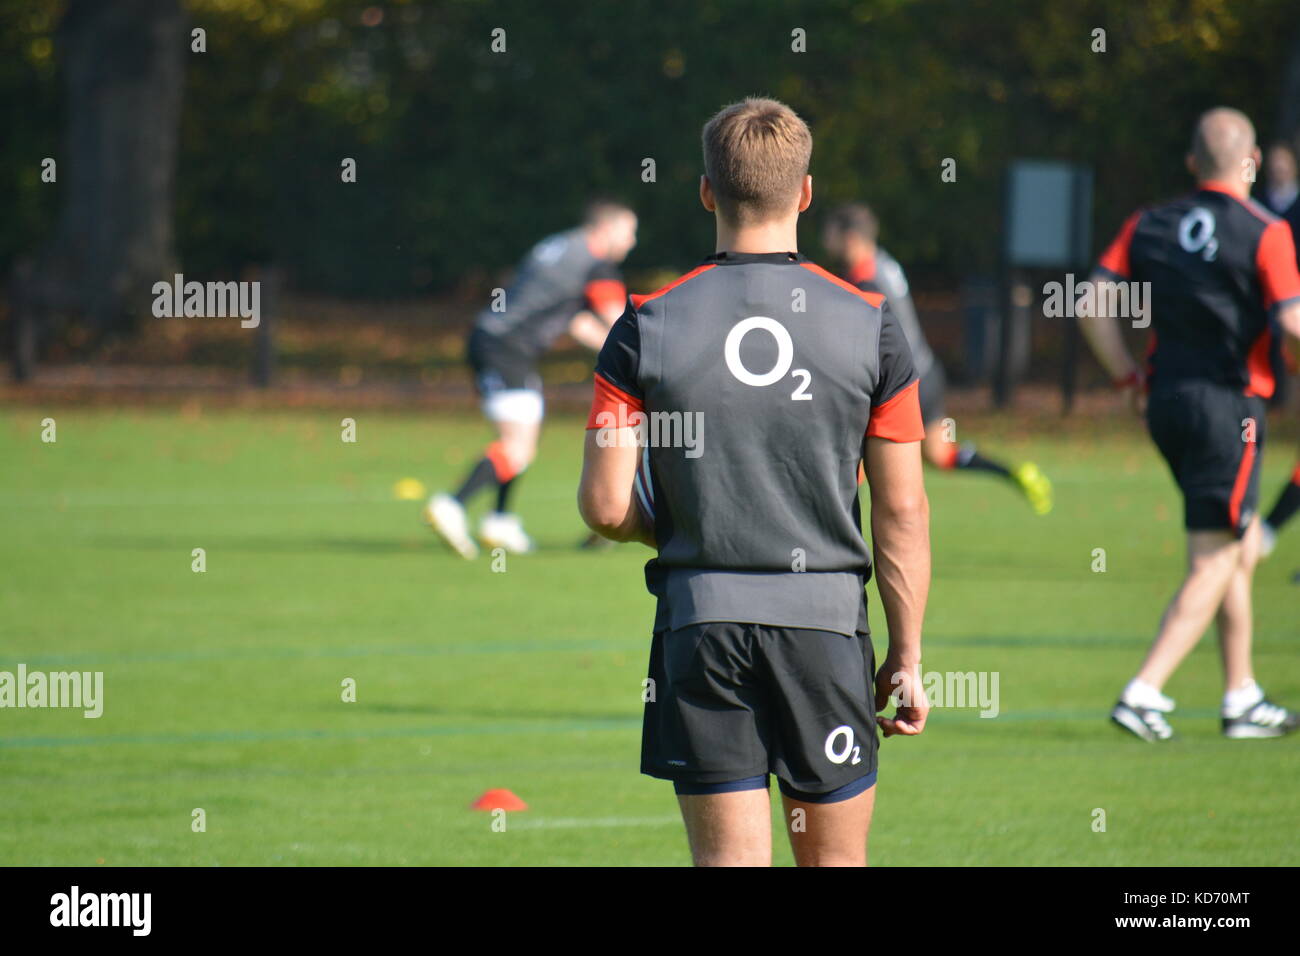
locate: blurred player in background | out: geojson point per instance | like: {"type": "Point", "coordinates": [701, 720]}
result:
{"type": "Point", "coordinates": [1219, 265]}
{"type": "Point", "coordinates": [1282, 187]}
{"type": "Point", "coordinates": [1281, 197]}
{"type": "Point", "coordinates": [849, 234]}
{"type": "Point", "coordinates": [1278, 196]}
{"type": "Point", "coordinates": [761, 661]}
{"type": "Point", "coordinates": [1283, 510]}
{"type": "Point", "coordinates": [568, 282]}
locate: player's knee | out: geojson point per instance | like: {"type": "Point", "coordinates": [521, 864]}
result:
{"type": "Point", "coordinates": [519, 455]}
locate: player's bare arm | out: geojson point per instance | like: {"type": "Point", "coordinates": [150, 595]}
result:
{"type": "Point", "coordinates": [1102, 330]}
{"type": "Point", "coordinates": [1288, 316]}
{"type": "Point", "coordinates": [605, 498]}
{"type": "Point", "coordinates": [900, 534]}
{"type": "Point", "coordinates": [1104, 337]}
{"type": "Point", "coordinates": [590, 328]}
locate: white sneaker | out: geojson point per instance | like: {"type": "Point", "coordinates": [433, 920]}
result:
{"type": "Point", "coordinates": [501, 530]}
{"type": "Point", "coordinates": [1264, 719]}
{"type": "Point", "coordinates": [1146, 722]}
{"type": "Point", "coordinates": [1141, 711]}
{"type": "Point", "coordinates": [1138, 693]}
{"type": "Point", "coordinates": [445, 515]}
{"type": "Point", "coordinates": [1267, 539]}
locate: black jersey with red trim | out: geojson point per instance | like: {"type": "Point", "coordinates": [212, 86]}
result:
{"type": "Point", "coordinates": [770, 373]}
{"type": "Point", "coordinates": [557, 279]}
{"type": "Point", "coordinates": [881, 273]}
{"type": "Point", "coordinates": [1218, 266]}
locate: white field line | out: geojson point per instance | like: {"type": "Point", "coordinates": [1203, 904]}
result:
{"type": "Point", "coordinates": [581, 823]}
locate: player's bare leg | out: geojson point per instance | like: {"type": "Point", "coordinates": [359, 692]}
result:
{"type": "Point", "coordinates": [1026, 476]}
{"type": "Point", "coordinates": [830, 834]}
{"type": "Point", "coordinates": [516, 448]}
{"type": "Point", "coordinates": [1218, 585]}
{"type": "Point", "coordinates": [519, 442]}
{"type": "Point", "coordinates": [1235, 615]}
{"type": "Point", "coordinates": [1284, 509]}
{"type": "Point", "coordinates": [1212, 559]}
{"type": "Point", "coordinates": [729, 829]}
{"type": "Point", "coordinates": [503, 461]}
{"type": "Point", "coordinates": [1246, 712]}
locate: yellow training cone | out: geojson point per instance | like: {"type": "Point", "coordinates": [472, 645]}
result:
{"type": "Point", "coordinates": [408, 489]}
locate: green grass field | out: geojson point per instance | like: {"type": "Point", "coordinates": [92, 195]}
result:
{"type": "Point", "coordinates": [223, 689]}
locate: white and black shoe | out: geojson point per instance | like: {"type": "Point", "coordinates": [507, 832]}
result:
{"type": "Point", "coordinates": [1264, 719]}
{"type": "Point", "coordinates": [1146, 722]}
{"type": "Point", "coordinates": [499, 529]}
{"type": "Point", "coordinates": [445, 515]}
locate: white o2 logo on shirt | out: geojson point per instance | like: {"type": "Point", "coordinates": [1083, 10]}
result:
{"type": "Point", "coordinates": [784, 357]}
{"type": "Point", "coordinates": [838, 754]}
{"type": "Point", "coordinates": [1196, 233]}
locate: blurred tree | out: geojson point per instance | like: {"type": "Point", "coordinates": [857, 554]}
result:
{"type": "Point", "coordinates": [466, 155]}
{"type": "Point", "coordinates": [116, 166]}
{"type": "Point", "coordinates": [1288, 118]}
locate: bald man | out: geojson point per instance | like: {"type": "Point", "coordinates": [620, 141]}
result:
{"type": "Point", "coordinates": [1222, 274]}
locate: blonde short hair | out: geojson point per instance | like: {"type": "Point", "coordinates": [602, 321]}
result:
{"type": "Point", "coordinates": [756, 154]}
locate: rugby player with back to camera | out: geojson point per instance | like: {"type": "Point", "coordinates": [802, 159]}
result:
{"type": "Point", "coordinates": [568, 282]}
{"type": "Point", "coordinates": [1222, 270]}
{"type": "Point", "coordinates": [760, 659]}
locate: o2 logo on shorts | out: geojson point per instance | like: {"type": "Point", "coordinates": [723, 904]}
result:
{"type": "Point", "coordinates": [784, 357]}
{"type": "Point", "coordinates": [1196, 233]}
{"type": "Point", "coordinates": [840, 746]}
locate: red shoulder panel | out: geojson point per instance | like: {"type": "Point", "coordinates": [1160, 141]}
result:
{"type": "Point", "coordinates": [874, 298]}
{"type": "Point", "coordinates": [638, 300]}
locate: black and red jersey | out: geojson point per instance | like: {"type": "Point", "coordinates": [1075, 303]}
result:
{"type": "Point", "coordinates": [558, 278]}
{"type": "Point", "coordinates": [786, 370]}
{"type": "Point", "coordinates": [882, 273]}
{"type": "Point", "coordinates": [1218, 267]}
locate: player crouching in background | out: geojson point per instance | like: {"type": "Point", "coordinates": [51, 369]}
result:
{"type": "Point", "coordinates": [568, 282]}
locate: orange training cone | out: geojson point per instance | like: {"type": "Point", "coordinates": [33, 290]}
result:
{"type": "Point", "coordinates": [500, 799]}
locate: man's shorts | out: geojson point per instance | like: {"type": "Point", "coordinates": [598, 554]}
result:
{"type": "Point", "coordinates": [931, 392]}
{"type": "Point", "coordinates": [731, 703]}
{"type": "Point", "coordinates": [508, 384]}
{"type": "Point", "coordinates": [1205, 431]}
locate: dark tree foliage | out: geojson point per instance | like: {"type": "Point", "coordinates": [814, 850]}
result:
{"type": "Point", "coordinates": [465, 156]}
{"type": "Point", "coordinates": [113, 166]}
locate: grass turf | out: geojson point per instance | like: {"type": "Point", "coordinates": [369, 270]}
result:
{"type": "Point", "coordinates": [223, 688]}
